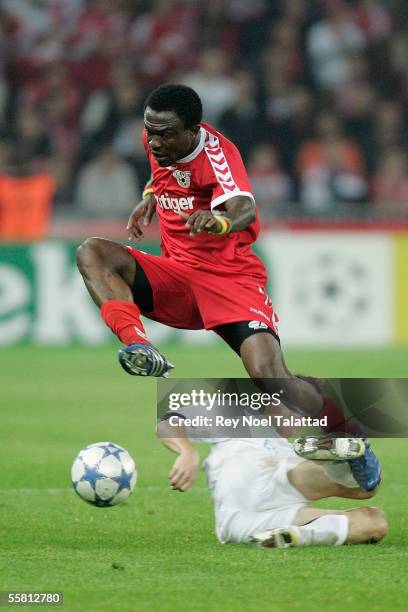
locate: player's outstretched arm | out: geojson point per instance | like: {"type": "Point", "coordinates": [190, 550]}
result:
{"type": "Point", "coordinates": [239, 213]}
{"type": "Point", "coordinates": [184, 471]}
{"type": "Point", "coordinates": [142, 211]}
{"type": "Point", "coordinates": [240, 210]}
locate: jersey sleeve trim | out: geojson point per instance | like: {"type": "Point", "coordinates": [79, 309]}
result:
{"type": "Point", "coordinates": [227, 196]}
{"type": "Point", "coordinates": [219, 164]}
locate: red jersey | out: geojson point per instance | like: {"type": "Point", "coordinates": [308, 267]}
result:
{"type": "Point", "coordinates": [204, 180]}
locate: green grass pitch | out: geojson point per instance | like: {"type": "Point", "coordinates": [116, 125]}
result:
{"type": "Point", "coordinates": [158, 551]}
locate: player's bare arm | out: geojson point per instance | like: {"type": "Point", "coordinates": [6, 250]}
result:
{"type": "Point", "coordinates": [240, 212]}
{"type": "Point", "coordinates": [184, 471]}
{"type": "Point", "coordinates": [144, 212]}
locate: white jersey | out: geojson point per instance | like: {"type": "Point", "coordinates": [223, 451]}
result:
{"type": "Point", "coordinates": [248, 481]}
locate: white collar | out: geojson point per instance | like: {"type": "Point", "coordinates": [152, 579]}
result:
{"type": "Point", "coordinates": [197, 150]}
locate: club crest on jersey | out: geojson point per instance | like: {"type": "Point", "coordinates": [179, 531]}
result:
{"type": "Point", "coordinates": [183, 178]}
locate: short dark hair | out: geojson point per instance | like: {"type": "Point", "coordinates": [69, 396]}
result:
{"type": "Point", "coordinates": [180, 99]}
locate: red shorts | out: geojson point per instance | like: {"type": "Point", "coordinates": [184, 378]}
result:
{"type": "Point", "coordinates": [187, 298]}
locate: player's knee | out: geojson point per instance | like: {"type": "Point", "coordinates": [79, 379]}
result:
{"type": "Point", "coordinates": [264, 368]}
{"type": "Point", "coordinates": [367, 494]}
{"type": "Point", "coordinates": [88, 253]}
{"type": "Point", "coordinates": [377, 523]}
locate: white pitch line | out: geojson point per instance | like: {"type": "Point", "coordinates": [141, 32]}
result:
{"type": "Point", "coordinates": [149, 489]}
{"type": "Point", "coordinates": [31, 491]}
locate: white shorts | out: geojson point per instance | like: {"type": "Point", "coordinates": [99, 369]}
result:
{"type": "Point", "coordinates": [251, 490]}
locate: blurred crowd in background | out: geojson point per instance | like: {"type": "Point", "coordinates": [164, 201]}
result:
{"type": "Point", "coordinates": [314, 93]}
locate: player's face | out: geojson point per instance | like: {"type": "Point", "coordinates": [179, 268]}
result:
{"type": "Point", "coordinates": [167, 137]}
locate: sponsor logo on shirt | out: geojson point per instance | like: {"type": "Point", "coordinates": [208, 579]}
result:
{"type": "Point", "coordinates": [176, 204]}
{"type": "Point", "coordinates": [257, 325]}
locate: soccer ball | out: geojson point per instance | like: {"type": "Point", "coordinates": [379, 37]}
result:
{"type": "Point", "coordinates": [103, 474]}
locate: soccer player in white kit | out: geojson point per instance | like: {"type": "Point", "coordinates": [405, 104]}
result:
{"type": "Point", "coordinates": [262, 489]}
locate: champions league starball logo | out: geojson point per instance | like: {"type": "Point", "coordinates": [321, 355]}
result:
{"type": "Point", "coordinates": [183, 178]}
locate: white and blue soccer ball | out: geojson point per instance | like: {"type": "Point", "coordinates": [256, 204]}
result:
{"type": "Point", "coordinates": [104, 474]}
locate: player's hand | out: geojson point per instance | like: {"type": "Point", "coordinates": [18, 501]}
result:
{"type": "Point", "coordinates": [184, 471]}
{"type": "Point", "coordinates": [201, 221]}
{"type": "Point", "coordinates": [144, 210]}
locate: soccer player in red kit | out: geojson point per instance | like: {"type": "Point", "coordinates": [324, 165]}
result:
{"type": "Point", "coordinates": [207, 276]}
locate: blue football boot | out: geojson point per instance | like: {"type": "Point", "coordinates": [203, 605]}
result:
{"type": "Point", "coordinates": [366, 469]}
{"type": "Point", "coordinates": [144, 360]}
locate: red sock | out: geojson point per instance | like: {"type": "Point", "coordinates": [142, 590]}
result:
{"type": "Point", "coordinates": [123, 318]}
{"type": "Point", "coordinates": [335, 418]}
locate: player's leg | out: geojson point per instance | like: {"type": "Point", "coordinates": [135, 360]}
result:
{"type": "Point", "coordinates": [120, 288]}
{"type": "Point", "coordinates": [257, 343]}
{"type": "Point", "coordinates": [318, 480]}
{"type": "Point", "coordinates": [263, 358]}
{"type": "Point", "coordinates": [317, 526]}
{"type": "Point", "coordinates": [259, 498]}
{"type": "Point", "coordinates": [108, 270]}
{"type": "Point", "coordinates": [320, 527]}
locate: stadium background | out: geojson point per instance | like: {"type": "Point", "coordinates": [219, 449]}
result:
{"type": "Point", "coordinates": [315, 95]}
